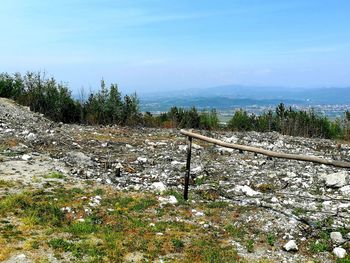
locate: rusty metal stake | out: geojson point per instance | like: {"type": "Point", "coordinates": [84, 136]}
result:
{"type": "Point", "coordinates": [188, 168]}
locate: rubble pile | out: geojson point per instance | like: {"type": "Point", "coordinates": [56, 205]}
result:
{"type": "Point", "coordinates": [293, 199]}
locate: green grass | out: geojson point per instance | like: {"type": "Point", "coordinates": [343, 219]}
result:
{"type": "Point", "coordinates": [55, 175]}
{"type": "Point", "coordinates": [106, 236]}
{"type": "Point", "coordinates": [271, 239]}
{"type": "Point", "coordinates": [142, 204]}
{"type": "Point", "coordinates": [319, 246]}
{"type": "Point", "coordinates": [344, 260]}
{"type": "Point", "coordinates": [178, 244]}
{"type": "Point", "coordinates": [250, 245]}
{"type": "Point", "coordinates": [217, 204]}
{"type": "Point", "coordinates": [82, 228]}
{"type": "Point", "coordinates": [210, 251]}
{"type": "Point", "coordinates": [6, 184]}
{"type": "Point", "coordinates": [299, 211]}
{"type": "Point", "coordinates": [235, 232]}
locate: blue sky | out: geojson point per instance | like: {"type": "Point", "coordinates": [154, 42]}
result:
{"type": "Point", "coordinates": [158, 44]}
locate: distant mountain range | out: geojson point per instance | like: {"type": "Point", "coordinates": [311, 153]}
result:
{"type": "Point", "coordinates": [233, 96]}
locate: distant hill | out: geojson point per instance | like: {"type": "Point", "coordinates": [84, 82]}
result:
{"type": "Point", "coordinates": [233, 96]}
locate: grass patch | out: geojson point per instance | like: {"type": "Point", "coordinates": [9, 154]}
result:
{"type": "Point", "coordinates": [119, 225]}
{"type": "Point", "coordinates": [142, 204]}
{"type": "Point", "coordinates": [234, 231]}
{"type": "Point", "coordinates": [82, 228]}
{"type": "Point", "coordinates": [6, 184]}
{"type": "Point", "coordinates": [55, 175]}
{"type": "Point", "coordinates": [319, 246]}
{"type": "Point", "coordinates": [217, 204]}
{"type": "Point", "coordinates": [178, 244]}
{"type": "Point", "coordinates": [250, 245]}
{"type": "Point", "coordinates": [271, 239]}
{"type": "Point", "coordinates": [207, 250]}
{"type": "Point", "coordinates": [299, 211]}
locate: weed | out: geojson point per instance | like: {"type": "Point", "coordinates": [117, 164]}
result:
{"type": "Point", "coordinates": [10, 231]}
{"type": "Point", "coordinates": [217, 204]}
{"type": "Point", "coordinates": [200, 180]}
{"type": "Point", "coordinates": [210, 251]}
{"type": "Point", "coordinates": [271, 239]}
{"type": "Point", "coordinates": [99, 191]}
{"type": "Point", "coordinates": [298, 211]}
{"type": "Point", "coordinates": [250, 245]}
{"type": "Point", "coordinates": [344, 260]}
{"type": "Point", "coordinates": [55, 175]}
{"type": "Point", "coordinates": [318, 246]}
{"type": "Point", "coordinates": [178, 244]}
{"type": "Point", "coordinates": [82, 228]}
{"type": "Point", "coordinates": [6, 184]}
{"type": "Point", "coordinates": [59, 243]}
{"type": "Point", "coordinates": [143, 204]}
{"type": "Point", "coordinates": [235, 232]}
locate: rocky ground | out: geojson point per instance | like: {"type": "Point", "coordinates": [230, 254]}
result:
{"type": "Point", "coordinates": [242, 208]}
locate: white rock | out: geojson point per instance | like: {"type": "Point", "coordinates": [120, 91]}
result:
{"type": "Point", "coordinates": [224, 149]}
{"type": "Point", "coordinates": [345, 189]}
{"type": "Point", "coordinates": [183, 148]}
{"type": "Point", "coordinates": [159, 187]}
{"type": "Point", "coordinates": [104, 145]}
{"type": "Point", "coordinates": [137, 187]}
{"type": "Point", "coordinates": [175, 163]}
{"type": "Point", "coordinates": [26, 157]}
{"type": "Point", "coordinates": [142, 159]}
{"type": "Point", "coordinates": [291, 175]}
{"type": "Point", "coordinates": [196, 146]}
{"type": "Point", "coordinates": [335, 179]}
{"type": "Point", "coordinates": [291, 246]}
{"type": "Point", "coordinates": [31, 137]}
{"type": "Point", "coordinates": [246, 190]}
{"type": "Point", "coordinates": [336, 237]}
{"type": "Point", "coordinates": [339, 252]}
{"type": "Point", "coordinates": [172, 199]}
{"type": "Point", "coordinates": [168, 200]}
{"type": "Point", "coordinates": [21, 257]}
{"type": "Point", "coordinates": [25, 132]}
{"type": "Point", "coordinates": [196, 170]}
{"type": "Point", "coordinates": [232, 139]}
{"type": "Point", "coordinates": [274, 199]}
{"type": "Point", "coordinates": [199, 214]}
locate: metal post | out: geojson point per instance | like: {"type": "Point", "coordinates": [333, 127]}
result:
{"type": "Point", "coordinates": [188, 168]}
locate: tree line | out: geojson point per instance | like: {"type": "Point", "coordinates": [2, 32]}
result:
{"type": "Point", "coordinates": [107, 106]}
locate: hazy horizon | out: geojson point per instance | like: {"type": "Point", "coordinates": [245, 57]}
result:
{"type": "Point", "coordinates": [148, 46]}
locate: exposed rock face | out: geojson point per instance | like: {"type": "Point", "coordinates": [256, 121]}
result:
{"type": "Point", "coordinates": [292, 199]}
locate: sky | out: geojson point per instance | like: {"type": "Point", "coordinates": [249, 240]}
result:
{"type": "Point", "coordinates": [151, 45]}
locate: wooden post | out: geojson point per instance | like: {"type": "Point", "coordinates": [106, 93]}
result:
{"type": "Point", "coordinates": [188, 167]}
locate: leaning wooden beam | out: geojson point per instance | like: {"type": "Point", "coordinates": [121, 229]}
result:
{"type": "Point", "coordinates": [267, 152]}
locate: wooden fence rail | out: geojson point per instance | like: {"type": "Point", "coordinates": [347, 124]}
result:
{"type": "Point", "coordinates": [272, 154]}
